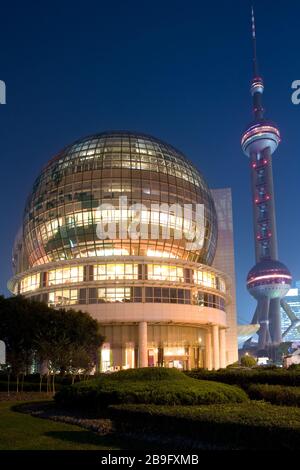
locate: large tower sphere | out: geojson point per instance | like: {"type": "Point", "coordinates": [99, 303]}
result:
{"type": "Point", "coordinates": [269, 278]}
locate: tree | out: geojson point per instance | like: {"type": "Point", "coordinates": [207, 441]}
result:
{"type": "Point", "coordinates": [80, 362]}
{"type": "Point", "coordinates": [65, 339]}
{"type": "Point", "coordinates": [248, 361]}
{"type": "Point", "coordinates": [283, 349]}
{"type": "Point", "coordinates": [17, 324]}
{"type": "Point", "coordinates": [63, 336]}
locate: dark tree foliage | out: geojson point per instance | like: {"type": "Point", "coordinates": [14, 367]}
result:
{"type": "Point", "coordinates": [63, 339]}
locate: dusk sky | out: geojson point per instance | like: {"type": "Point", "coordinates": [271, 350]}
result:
{"type": "Point", "coordinates": [177, 70]}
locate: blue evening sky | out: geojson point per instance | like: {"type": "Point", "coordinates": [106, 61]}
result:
{"type": "Point", "coordinates": [177, 70]}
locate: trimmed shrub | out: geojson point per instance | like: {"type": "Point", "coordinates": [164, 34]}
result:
{"type": "Point", "coordinates": [246, 377]}
{"type": "Point", "coordinates": [233, 365]}
{"type": "Point", "coordinates": [148, 385]}
{"type": "Point", "coordinates": [276, 394]}
{"type": "Point", "coordinates": [257, 425]}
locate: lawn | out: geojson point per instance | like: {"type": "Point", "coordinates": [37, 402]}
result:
{"type": "Point", "coordinates": [20, 431]}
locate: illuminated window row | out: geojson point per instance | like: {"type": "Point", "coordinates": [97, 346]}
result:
{"type": "Point", "coordinates": [108, 163]}
{"type": "Point", "coordinates": [121, 271]}
{"type": "Point", "coordinates": [141, 189]}
{"type": "Point", "coordinates": [154, 218]}
{"type": "Point", "coordinates": [138, 158]}
{"type": "Point", "coordinates": [82, 242]}
{"type": "Point", "coordinates": [94, 295]}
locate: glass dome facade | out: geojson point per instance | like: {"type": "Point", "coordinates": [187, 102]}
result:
{"type": "Point", "coordinates": [134, 286]}
{"type": "Point", "coordinates": [62, 213]}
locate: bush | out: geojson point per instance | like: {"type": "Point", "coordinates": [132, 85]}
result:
{"type": "Point", "coordinates": [276, 394]}
{"type": "Point", "coordinates": [233, 365]}
{"type": "Point", "coordinates": [294, 367]}
{"type": "Point", "coordinates": [248, 361]}
{"type": "Point", "coordinates": [256, 425]}
{"type": "Point", "coordinates": [148, 385]}
{"type": "Point", "coordinates": [246, 377]}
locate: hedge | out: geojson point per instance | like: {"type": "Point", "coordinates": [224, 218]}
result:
{"type": "Point", "coordinates": [26, 387]}
{"type": "Point", "coordinates": [246, 377]}
{"type": "Point", "coordinates": [255, 425]}
{"type": "Point", "coordinates": [149, 385]}
{"type": "Point", "coordinates": [276, 394]}
{"type": "Point", "coordinates": [32, 382]}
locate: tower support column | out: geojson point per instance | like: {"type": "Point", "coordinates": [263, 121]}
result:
{"type": "Point", "coordinates": [275, 321]}
{"type": "Point", "coordinates": [263, 332]}
{"type": "Point", "coordinates": [143, 344]}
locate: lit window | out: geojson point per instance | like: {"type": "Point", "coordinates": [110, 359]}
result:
{"type": "Point", "coordinates": [63, 297]}
{"type": "Point", "coordinates": [30, 283]}
{"type": "Point", "coordinates": [205, 278]}
{"type": "Point", "coordinates": [65, 275]}
{"type": "Point", "coordinates": [165, 273]}
{"type": "Point", "coordinates": [114, 294]}
{"type": "Point", "coordinates": [103, 272]}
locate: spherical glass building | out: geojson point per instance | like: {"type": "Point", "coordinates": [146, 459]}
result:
{"type": "Point", "coordinates": [110, 228]}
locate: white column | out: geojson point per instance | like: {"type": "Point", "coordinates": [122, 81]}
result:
{"type": "Point", "coordinates": [143, 343]}
{"type": "Point", "coordinates": [216, 347]}
{"type": "Point", "coordinates": [222, 334]}
{"type": "Point", "coordinates": [118, 354]}
{"type": "Point", "coordinates": [208, 362]}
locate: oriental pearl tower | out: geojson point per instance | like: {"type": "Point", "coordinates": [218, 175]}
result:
{"type": "Point", "coordinates": [269, 280]}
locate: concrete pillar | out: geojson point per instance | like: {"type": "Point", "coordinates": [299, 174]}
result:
{"type": "Point", "coordinates": [222, 338]}
{"type": "Point", "coordinates": [208, 358]}
{"type": "Point", "coordinates": [118, 357]}
{"type": "Point", "coordinates": [143, 343]}
{"type": "Point", "coordinates": [216, 347]}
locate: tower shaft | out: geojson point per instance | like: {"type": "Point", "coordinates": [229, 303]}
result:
{"type": "Point", "coordinates": [264, 219]}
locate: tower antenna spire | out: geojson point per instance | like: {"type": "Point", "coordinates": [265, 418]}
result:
{"type": "Point", "coordinates": [257, 84]}
{"type": "Point", "coordinates": [255, 65]}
